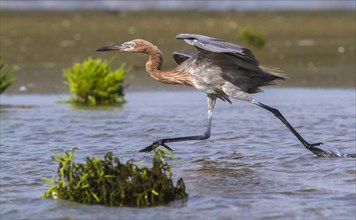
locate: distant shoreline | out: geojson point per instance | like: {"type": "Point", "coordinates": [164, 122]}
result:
{"type": "Point", "coordinates": [140, 5]}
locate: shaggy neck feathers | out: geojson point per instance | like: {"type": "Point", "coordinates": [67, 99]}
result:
{"type": "Point", "coordinates": [153, 68]}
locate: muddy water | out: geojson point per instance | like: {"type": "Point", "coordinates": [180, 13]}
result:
{"type": "Point", "coordinates": [252, 167]}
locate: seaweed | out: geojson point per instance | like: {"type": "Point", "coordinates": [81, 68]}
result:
{"type": "Point", "coordinates": [6, 79]}
{"type": "Point", "coordinates": [109, 182]}
{"type": "Point", "coordinates": [92, 82]}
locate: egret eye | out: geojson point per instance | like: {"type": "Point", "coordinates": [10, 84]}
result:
{"type": "Point", "coordinates": [130, 45]}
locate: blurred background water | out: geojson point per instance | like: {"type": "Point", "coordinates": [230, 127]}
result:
{"type": "Point", "coordinates": [321, 54]}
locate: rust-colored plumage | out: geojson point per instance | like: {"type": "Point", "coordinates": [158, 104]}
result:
{"type": "Point", "coordinates": [154, 63]}
{"type": "Point", "coordinates": [220, 69]}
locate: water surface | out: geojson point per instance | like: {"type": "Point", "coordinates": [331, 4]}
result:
{"type": "Point", "coordinates": [252, 167]}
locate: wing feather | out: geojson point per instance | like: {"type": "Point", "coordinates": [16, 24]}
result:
{"type": "Point", "coordinates": [218, 46]}
{"type": "Point", "coordinates": [235, 64]}
{"type": "Point", "coordinates": [180, 57]}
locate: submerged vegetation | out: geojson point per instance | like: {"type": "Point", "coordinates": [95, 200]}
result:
{"type": "Point", "coordinates": [112, 183]}
{"type": "Point", "coordinates": [92, 82]}
{"type": "Point", "coordinates": [5, 76]}
{"type": "Point", "coordinates": [252, 37]}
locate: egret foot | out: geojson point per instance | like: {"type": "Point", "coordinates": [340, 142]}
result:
{"type": "Point", "coordinates": [154, 145]}
{"type": "Point", "coordinates": [318, 151]}
{"type": "Point", "coordinates": [316, 144]}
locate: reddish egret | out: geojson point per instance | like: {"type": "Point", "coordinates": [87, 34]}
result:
{"type": "Point", "coordinates": [220, 69]}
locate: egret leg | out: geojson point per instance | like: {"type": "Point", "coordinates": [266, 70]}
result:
{"type": "Point", "coordinates": [206, 135]}
{"type": "Point", "coordinates": [311, 147]}
{"type": "Point", "coordinates": [235, 92]}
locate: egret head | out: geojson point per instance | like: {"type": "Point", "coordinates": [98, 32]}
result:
{"type": "Point", "coordinates": [138, 46]}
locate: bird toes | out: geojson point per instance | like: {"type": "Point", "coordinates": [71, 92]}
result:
{"type": "Point", "coordinates": [168, 148]}
{"type": "Point", "coordinates": [147, 149]}
{"type": "Point", "coordinates": [154, 145]}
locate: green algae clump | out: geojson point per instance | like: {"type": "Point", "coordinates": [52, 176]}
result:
{"type": "Point", "coordinates": [109, 182]}
{"type": "Point", "coordinates": [93, 83]}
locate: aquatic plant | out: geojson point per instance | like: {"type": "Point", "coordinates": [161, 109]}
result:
{"type": "Point", "coordinates": [92, 82]}
{"type": "Point", "coordinates": [252, 37]}
{"type": "Point", "coordinates": [6, 79]}
{"type": "Point", "coordinates": [109, 182]}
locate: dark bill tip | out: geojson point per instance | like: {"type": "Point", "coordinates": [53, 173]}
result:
{"type": "Point", "coordinates": [109, 48]}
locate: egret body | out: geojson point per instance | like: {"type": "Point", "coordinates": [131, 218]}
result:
{"type": "Point", "coordinates": [220, 69]}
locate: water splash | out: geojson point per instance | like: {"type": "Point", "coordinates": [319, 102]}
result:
{"type": "Point", "coordinates": [329, 151]}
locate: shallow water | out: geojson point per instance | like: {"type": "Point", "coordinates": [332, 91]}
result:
{"type": "Point", "coordinates": [252, 167]}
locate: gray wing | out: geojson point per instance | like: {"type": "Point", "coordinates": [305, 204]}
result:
{"type": "Point", "coordinates": [218, 46]}
{"type": "Point", "coordinates": [180, 57]}
{"type": "Point", "coordinates": [236, 64]}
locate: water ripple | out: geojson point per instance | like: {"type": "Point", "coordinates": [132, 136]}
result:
{"type": "Point", "coordinates": [251, 167]}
